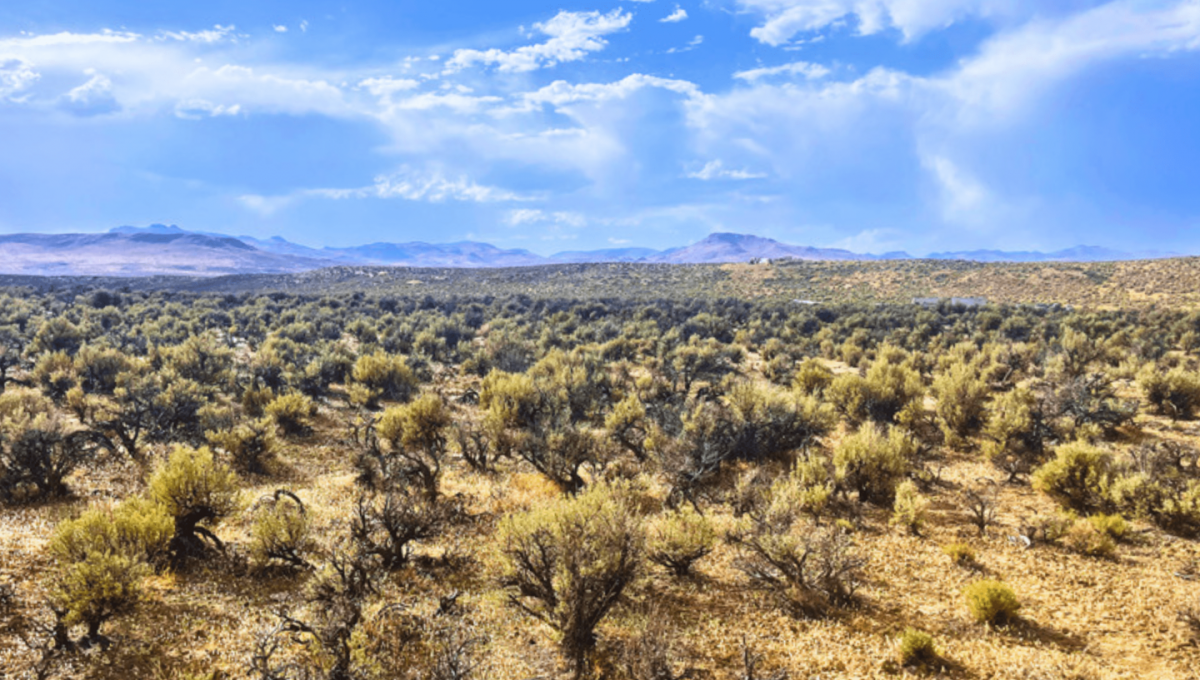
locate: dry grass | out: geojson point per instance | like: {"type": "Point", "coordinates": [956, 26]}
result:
{"type": "Point", "coordinates": [1081, 617]}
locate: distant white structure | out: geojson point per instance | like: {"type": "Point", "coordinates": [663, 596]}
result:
{"type": "Point", "coordinates": [962, 301]}
{"type": "Point", "coordinates": [805, 302]}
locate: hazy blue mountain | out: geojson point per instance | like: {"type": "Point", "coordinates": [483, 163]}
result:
{"type": "Point", "coordinates": [168, 249]}
{"type": "Point", "coordinates": [461, 254]}
{"type": "Point", "coordinates": [141, 252]}
{"type": "Point", "coordinates": [725, 247]}
{"type": "Point", "coordinates": [606, 255]}
{"type": "Point", "coordinates": [1076, 254]}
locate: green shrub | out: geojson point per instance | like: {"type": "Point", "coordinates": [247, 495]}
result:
{"type": "Point", "coordinates": [1013, 436]}
{"type": "Point", "coordinates": [568, 562]}
{"type": "Point", "coordinates": [1174, 393]}
{"type": "Point", "coordinates": [1085, 538]}
{"type": "Point", "coordinates": [55, 374]}
{"type": "Point", "coordinates": [254, 401]}
{"type": "Point", "coordinates": [281, 531]}
{"type": "Point", "coordinates": [990, 601]}
{"type": "Point", "coordinates": [97, 588]}
{"type": "Point", "coordinates": [37, 455]}
{"type": "Point", "coordinates": [136, 528]}
{"type": "Point", "coordinates": [890, 386]}
{"type": "Point", "coordinates": [910, 507]}
{"type": "Point", "coordinates": [1113, 526]}
{"type": "Point", "coordinates": [291, 412]}
{"type": "Point", "coordinates": [916, 648]}
{"type": "Point", "coordinates": [251, 446]}
{"type": "Point", "coordinates": [385, 376]}
{"type": "Point", "coordinates": [679, 539]}
{"type": "Point", "coordinates": [198, 492]}
{"type": "Point", "coordinates": [961, 402]}
{"type": "Point", "coordinates": [417, 434]}
{"type": "Point", "coordinates": [961, 554]}
{"type": "Point", "coordinates": [871, 463]}
{"type": "Point", "coordinates": [806, 568]}
{"type": "Point", "coordinates": [812, 377]}
{"type": "Point", "coordinates": [1078, 476]}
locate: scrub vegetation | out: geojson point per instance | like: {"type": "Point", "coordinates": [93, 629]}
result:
{"type": "Point", "coordinates": [393, 480]}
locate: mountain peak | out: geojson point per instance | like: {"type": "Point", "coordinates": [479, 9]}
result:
{"type": "Point", "coordinates": [152, 229]}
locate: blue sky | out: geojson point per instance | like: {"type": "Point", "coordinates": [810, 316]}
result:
{"type": "Point", "coordinates": [874, 125]}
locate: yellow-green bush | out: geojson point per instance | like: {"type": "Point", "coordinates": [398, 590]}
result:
{"type": "Point", "coordinates": [251, 446]}
{"type": "Point", "coordinates": [1085, 538]}
{"type": "Point", "coordinates": [1113, 526]}
{"type": "Point", "coordinates": [136, 528]}
{"type": "Point", "coordinates": [291, 412]}
{"type": "Point", "coordinates": [385, 376]}
{"type": "Point", "coordinates": [1013, 434]}
{"type": "Point", "coordinates": [1078, 476]}
{"type": "Point", "coordinates": [281, 532]}
{"type": "Point", "coordinates": [961, 554]}
{"type": "Point", "coordinates": [990, 601]}
{"type": "Point", "coordinates": [97, 588]}
{"type": "Point", "coordinates": [910, 507]}
{"type": "Point", "coordinates": [872, 463]}
{"type": "Point", "coordinates": [812, 377]}
{"type": "Point", "coordinates": [1174, 393]}
{"type": "Point", "coordinates": [916, 648]}
{"type": "Point", "coordinates": [198, 492]}
{"type": "Point", "coordinates": [678, 539]}
{"type": "Point", "coordinates": [961, 402]}
{"type": "Point", "coordinates": [568, 562]}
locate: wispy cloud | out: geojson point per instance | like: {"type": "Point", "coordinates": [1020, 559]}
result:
{"type": "Point", "coordinates": [678, 15]}
{"type": "Point", "coordinates": [796, 68]}
{"type": "Point", "coordinates": [716, 170]}
{"type": "Point", "coordinates": [572, 36]}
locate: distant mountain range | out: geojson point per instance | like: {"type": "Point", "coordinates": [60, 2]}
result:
{"type": "Point", "coordinates": [163, 250]}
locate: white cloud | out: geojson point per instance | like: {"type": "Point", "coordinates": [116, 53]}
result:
{"type": "Point", "coordinates": [527, 216]}
{"type": "Point", "coordinates": [692, 44]}
{"type": "Point", "coordinates": [962, 195]}
{"type": "Point", "coordinates": [796, 68]}
{"type": "Point", "coordinates": [675, 17]}
{"type": "Point", "coordinates": [214, 35]}
{"type": "Point", "coordinates": [196, 109]}
{"type": "Point", "coordinates": [280, 29]}
{"type": "Point", "coordinates": [716, 170]}
{"type": "Point", "coordinates": [304, 26]}
{"type": "Point", "coordinates": [784, 19]}
{"type": "Point", "coordinates": [387, 86]}
{"type": "Point", "coordinates": [1014, 67]}
{"type": "Point", "coordinates": [94, 97]}
{"type": "Point", "coordinates": [16, 74]}
{"type": "Point", "coordinates": [561, 93]}
{"type": "Point", "coordinates": [572, 36]}
{"type": "Point", "coordinates": [65, 38]}
{"type": "Point", "coordinates": [435, 186]}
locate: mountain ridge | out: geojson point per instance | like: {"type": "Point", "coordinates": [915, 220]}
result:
{"type": "Point", "coordinates": [160, 249]}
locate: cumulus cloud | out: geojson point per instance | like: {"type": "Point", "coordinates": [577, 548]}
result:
{"type": "Point", "coordinates": [784, 19]}
{"type": "Point", "coordinates": [796, 68]}
{"type": "Point", "coordinates": [16, 75]}
{"type": "Point", "coordinates": [93, 98]}
{"type": "Point", "coordinates": [572, 35]}
{"type": "Point", "coordinates": [675, 17]}
{"type": "Point", "coordinates": [717, 170]}
{"type": "Point", "coordinates": [280, 29]}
